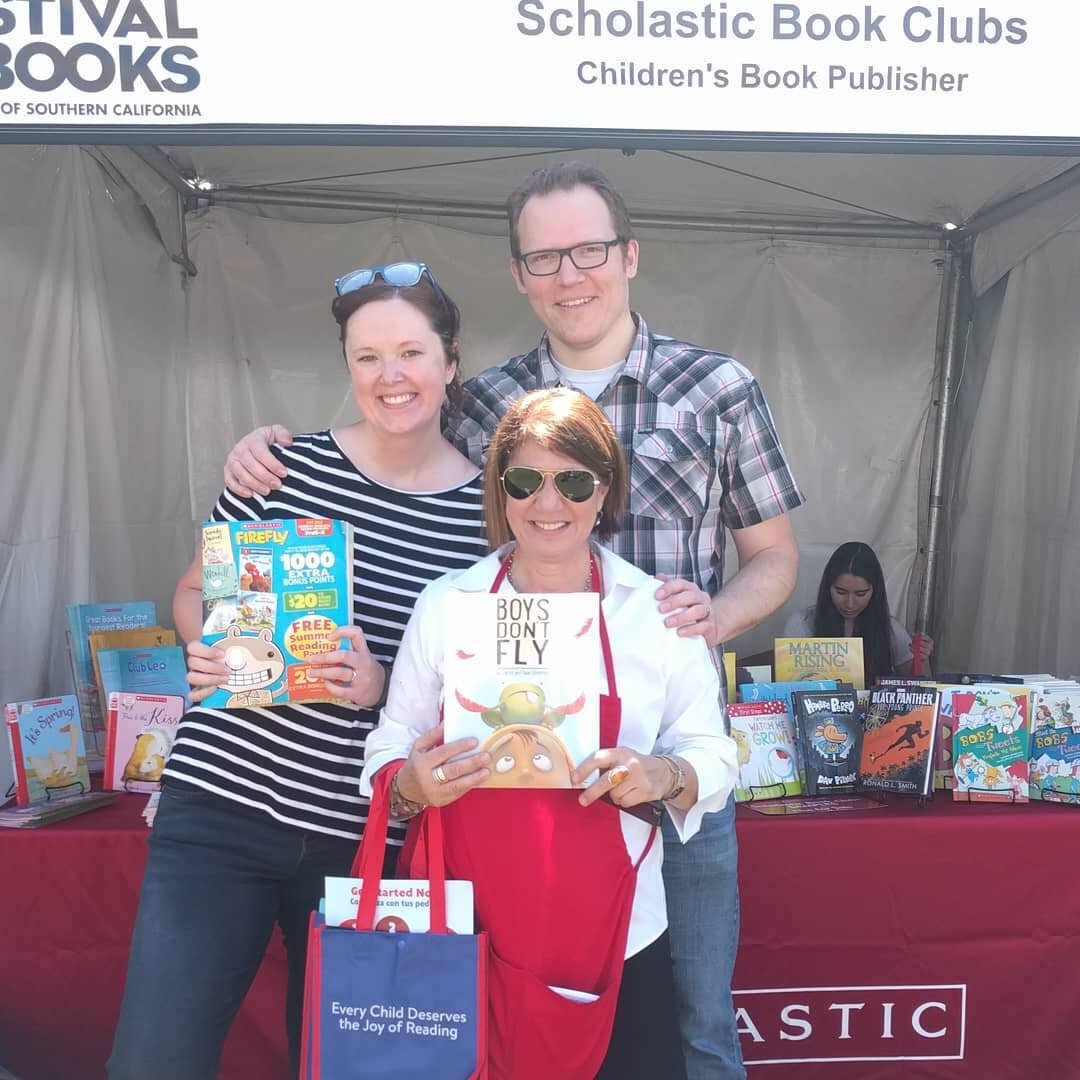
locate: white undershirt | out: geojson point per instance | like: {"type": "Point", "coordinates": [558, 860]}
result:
{"type": "Point", "coordinates": [592, 382]}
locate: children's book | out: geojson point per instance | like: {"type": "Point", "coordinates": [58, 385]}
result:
{"type": "Point", "coordinates": [47, 749]}
{"type": "Point", "coordinates": [1055, 746]}
{"type": "Point", "coordinates": [782, 691]}
{"type": "Point", "coordinates": [897, 753]}
{"type": "Point", "coordinates": [521, 674]}
{"type": "Point", "coordinates": [65, 806]}
{"type": "Point", "coordinates": [991, 733]}
{"type": "Point", "coordinates": [764, 735]}
{"type": "Point", "coordinates": [143, 671]}
{"type": "Point", "coordinates": [830, 736]}
{"type": "Point", "coordinates": [273, 592]}
{"type": "Point", "coordinates": [796, 659]}
{"type": "Point", "coordinates": [84, 620]}
{"type": "Point", "coordinates": [140, 733]}
{"type": "Point", "coordinates": [403, 907]}
{"type": "Point", "coordinates": [147, 637]}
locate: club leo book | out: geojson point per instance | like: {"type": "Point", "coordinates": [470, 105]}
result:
{"type": "Point", "coordinates": [1055, 747]}
{"type": "Point", "coordinates": [139, 734]}
{"type": "Point", "coordinates": [84, 620]}
{"type": "Point", "coordinates": [47, 749]}
{"type": "Point", "coordinates": [797, 659]}
{"type": "Point", "coordinates": [991, 732]}
{"type": "Point", "coordinates": [830, 736]}
{"type": "Point", "coordinates": [273, 592]}
{"type": "Point", "coordinates": [897, 753]}
{"type": "Point", "coordinates": [765, 747]}
{"type": "Point", "coordinates": [403, 907]}
{"type": "Point", "coordinates": [146, 637]}
{"type": "Point", "coordinates": [522, 674]}
{"type": "Point", "coordinates": [162, 670]}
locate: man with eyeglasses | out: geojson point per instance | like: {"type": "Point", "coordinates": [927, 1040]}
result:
{"type": "Point", "coordinates": [704, 459]}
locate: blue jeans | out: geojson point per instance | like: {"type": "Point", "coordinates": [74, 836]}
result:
{"type": "Point", "coordinates": [703, 916]}
{"type": "Point", "coordinates": [218, 877]}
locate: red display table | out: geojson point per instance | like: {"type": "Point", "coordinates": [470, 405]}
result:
{"type": "Point", "coordinates": [67, 906]}
{"type": "Point", "coordinates": [946, 939]}
{"type": "Point", "coordinates": [950, 932]}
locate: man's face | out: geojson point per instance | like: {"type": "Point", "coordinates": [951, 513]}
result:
{"type": "Point", "coordinates": [582, 310]}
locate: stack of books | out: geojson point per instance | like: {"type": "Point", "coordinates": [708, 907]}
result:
{"type": "Point", "coordinates": [36, 814]}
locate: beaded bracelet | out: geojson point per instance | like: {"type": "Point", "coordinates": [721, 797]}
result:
{"type": "Point", "coordinates": [401, 808]}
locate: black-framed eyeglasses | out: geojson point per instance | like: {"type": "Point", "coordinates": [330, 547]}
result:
{"type": "Point", "coordinates": [575, 485]}
{"type": "Point", "coordinates": [586, 256]}
{"type": "Point", "coordinates": [401, 274]}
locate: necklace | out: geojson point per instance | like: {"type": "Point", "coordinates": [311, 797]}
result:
{"type": "Point", "coordinates": [510, 578]}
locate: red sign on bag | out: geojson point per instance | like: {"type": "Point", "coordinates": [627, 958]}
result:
{"type": "Point", "coordinates": [852, 1023]}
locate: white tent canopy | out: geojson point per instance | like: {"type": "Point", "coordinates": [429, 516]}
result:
{"type": "Point", "coordinates": [145, 332]}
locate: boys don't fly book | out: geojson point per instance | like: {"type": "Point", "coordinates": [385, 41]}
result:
{"type": "Point", "coordinates": [47, 749]}
{"type": "Point", "coordinates": [273, 592]}
{"type": "Point", "coordinates": [897, 753]}
{"type": "Point", "coordinates": [797, 659]}
{"type": "Point", "coordinates": [830, 737]}
{"type": "Point", "coordinates": [521, 674]}
{"type": "Point", "coordinates": [765, 748]}
{"type": "Point", "coordinates": [990, 743]}
{"type": "Point", "coordinates": [140, 733]}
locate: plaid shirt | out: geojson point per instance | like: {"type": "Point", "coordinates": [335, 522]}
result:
{"type": "Point", "coordinates": [700, 444]}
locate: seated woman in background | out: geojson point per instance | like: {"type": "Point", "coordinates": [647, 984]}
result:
{"type": "Point", "coordinates": [851, 602]}
{"type": "Point", "coordinates": [555, 872]}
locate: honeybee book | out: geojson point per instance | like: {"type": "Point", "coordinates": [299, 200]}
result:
{"type": "Point", "coordinates": [522, 674]}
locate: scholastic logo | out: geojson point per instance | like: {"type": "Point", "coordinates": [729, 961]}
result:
{"type": "Point", "coordinates": [852, 1023]}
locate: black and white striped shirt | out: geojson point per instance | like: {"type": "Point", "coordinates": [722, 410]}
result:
{"type": "Point", "coordinates": [301, 764]}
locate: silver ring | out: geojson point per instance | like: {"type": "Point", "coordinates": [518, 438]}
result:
{"type": "Point", "coordinates": [352, 675]}
{"type": "Point", "coordinates": [439, 776]}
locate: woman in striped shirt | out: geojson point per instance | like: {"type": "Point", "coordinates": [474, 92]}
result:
{"type": "Point", "coordinates": [260, 804]}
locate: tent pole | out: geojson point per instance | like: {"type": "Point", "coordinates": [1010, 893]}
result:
{"type": "Point", "coordinates": [389, 204]}
{"type": "Point", "coordinates": [957, 272]}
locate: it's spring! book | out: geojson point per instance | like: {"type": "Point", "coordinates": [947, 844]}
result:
{"type": "Point", "coordinates": [521, 674]}
{"type": "Point", "coordinates": [47, 749]}
{"type": "Point", "coordinates": [273, 592]}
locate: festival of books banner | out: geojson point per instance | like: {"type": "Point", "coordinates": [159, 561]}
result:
{"type": "Point", "coordinates": [884, 68]}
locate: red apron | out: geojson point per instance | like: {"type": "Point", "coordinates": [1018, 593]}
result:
{"type": "Point", "coordinates": [554, 886]}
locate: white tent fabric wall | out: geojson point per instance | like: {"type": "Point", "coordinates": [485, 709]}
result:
{"type": "Point", "coordinates": [840, 336]}
{"type": "Point", "coordinates": [94, 482]}
{"type": "Point", "coordinates": [1010, 589]}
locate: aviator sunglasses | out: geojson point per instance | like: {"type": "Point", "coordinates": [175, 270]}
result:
{"type": "Point", "coordinates": [575, 485]}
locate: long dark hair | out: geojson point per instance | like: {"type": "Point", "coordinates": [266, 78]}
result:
{"type": "Point", "coordinates": [873, 624]}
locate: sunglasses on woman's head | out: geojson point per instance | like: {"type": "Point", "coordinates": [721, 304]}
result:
{"type": "Point", "coordinates": [401, 274]}
{"type": "Point", "coordinates": [575, 485]}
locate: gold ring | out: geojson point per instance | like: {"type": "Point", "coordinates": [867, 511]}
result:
{"type": "Point", "coordinates": [439, 776]}
{"type": "Point", "coordinates": [617, 775]}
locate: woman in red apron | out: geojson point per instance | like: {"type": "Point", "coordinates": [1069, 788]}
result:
{"type": "Point", "coordinates": [567, 882]}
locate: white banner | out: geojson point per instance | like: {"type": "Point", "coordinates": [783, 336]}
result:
{"type": "Point", "coordinates": [1000, 69]}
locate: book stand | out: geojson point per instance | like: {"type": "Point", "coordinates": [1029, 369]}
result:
{"type": "Point", "coordinates": [1050, 795]}
{"type": "Point", "coordinates": [776, 791]}
{"type": "Point", "coordinates": [64, 787]}
{"type": "Point", "coordinates": [999, 795]}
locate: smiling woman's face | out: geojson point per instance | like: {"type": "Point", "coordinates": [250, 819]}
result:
{"type": "Point", "coordinates": [397, 365]}
{"type": "Point", "coordinates": [546, 525]}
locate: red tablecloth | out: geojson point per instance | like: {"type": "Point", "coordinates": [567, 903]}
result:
{"type": "Point", "coordinates": [67, 906]}
{"type": "Point", "coordinates": [966, 917]}
{"type": "Point", "coordinates": [963, 919]}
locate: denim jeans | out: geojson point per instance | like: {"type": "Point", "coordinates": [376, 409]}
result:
{"type": "Point", "coordinates": [703, 916]}
{"type": "Point", "coordinates": [218, 877]}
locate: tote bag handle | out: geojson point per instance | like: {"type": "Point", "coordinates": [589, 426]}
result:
{"type": "Point", "coordinates": [368, 863]}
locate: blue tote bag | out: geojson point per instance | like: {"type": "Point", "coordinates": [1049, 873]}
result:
{"type": "Point", "coordinates": [405, 1005]}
